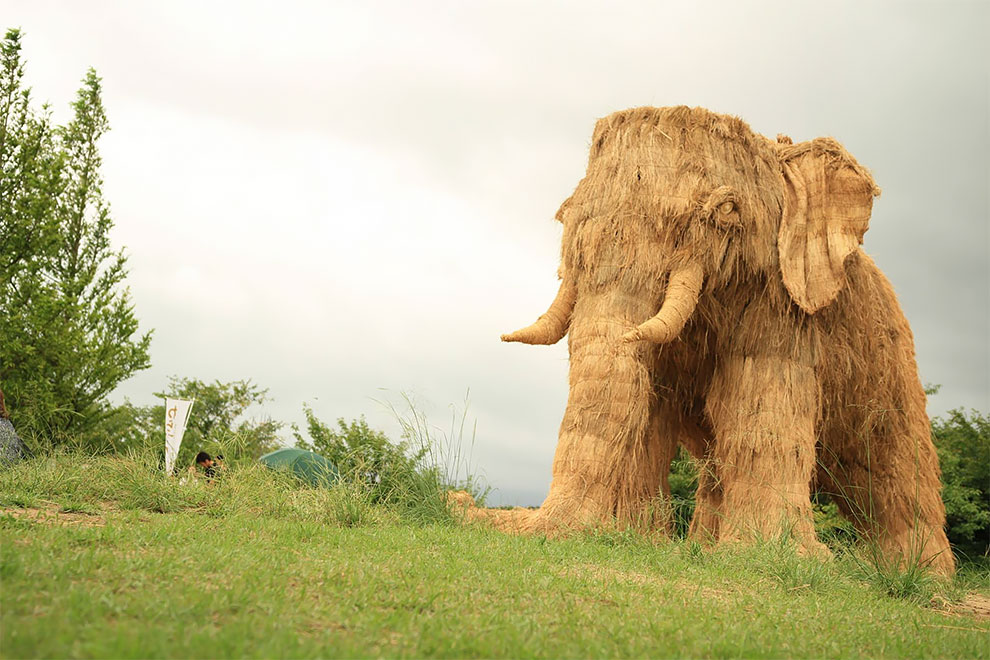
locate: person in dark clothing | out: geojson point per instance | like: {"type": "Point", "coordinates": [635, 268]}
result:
{"type": "Point", "coordinates": [205, 461]}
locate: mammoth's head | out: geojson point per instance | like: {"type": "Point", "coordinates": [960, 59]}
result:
{"type": "Point", "coordinates": [691, 196]}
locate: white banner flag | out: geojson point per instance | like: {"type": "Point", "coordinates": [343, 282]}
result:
{"type": "Point", "coordinates": [176, 416]}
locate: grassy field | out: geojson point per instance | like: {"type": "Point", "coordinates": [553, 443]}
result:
{"type": "Point", "coordinates": [105, 558]}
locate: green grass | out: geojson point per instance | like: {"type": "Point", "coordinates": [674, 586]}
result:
{"type": "Point", "coordinates": [120, 562]}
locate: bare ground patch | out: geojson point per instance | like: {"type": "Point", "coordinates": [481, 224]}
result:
{"type": "Point", "coordinates": [974, 605]}
{"type": "Point", "coordinates": [52, 514]}
{"type": "Point", "coordinates": [606, 573]}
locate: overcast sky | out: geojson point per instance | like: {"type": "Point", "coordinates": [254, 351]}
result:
{"type": "Point", "coordinates": [346, 201]}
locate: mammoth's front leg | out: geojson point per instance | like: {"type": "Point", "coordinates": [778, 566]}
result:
{"type": "Point", "coordinates": [763, 412]}
{"type": "Point", "coordinates": [610, 458]}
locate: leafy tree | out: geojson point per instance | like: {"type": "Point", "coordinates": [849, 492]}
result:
{"type": "Point", "coordinates": [217, 423]}
{"type": "Point", "coordinates": [963, 444]}
{"type": "Point", "coordinates": [69, 333]}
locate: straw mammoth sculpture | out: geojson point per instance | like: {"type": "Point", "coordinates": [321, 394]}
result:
{"type": "Point", "coordinates": [714, 294]}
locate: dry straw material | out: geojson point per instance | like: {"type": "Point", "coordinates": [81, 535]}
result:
{"type": "Point", "coordinates": [714, 294]}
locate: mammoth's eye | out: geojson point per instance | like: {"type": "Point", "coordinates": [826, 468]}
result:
{"type": "Point", "coordinates": [720, 207]}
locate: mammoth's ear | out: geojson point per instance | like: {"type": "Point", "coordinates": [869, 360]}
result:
{"type": "Point", "coordinates": [828, 197]}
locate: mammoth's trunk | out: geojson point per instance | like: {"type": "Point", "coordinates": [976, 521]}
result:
{"type": "Point", "coordinates": [552, 326]}
{"type": "Point", "coordinates": [679, 302]}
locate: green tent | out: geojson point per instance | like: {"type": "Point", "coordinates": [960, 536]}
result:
{"type": "Point", "coordinates": [312, 468]}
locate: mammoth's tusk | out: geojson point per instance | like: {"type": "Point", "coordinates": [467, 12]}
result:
{"type": "Point", "coordinates": [552, 326]}
{"type": "Point", "coordinates": [678, 305]}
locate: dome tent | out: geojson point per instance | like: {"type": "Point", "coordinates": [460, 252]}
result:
{"type": "Point", "coordinates": [312, 468]}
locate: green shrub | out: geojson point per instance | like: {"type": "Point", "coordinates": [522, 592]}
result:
{"type": "Point", "coordinates": [360, 452]}
{"type": "Point", "coordinates": [683, 484]}
{"type": "Point", "coordinates": [963, 444]}
{"type": "Point", "coordinates": [910, 580]}
{"type": "Point", "coordinates": [832, 528]}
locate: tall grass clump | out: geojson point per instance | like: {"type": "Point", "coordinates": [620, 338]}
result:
{"type": "Point", "coordinates": [73, 481]}
{"type": "Point", "coordinates": [251, 489]}
{"type": "Point", "coordinates": [909, 578]}
{"type": "Point", "coordinates": [132, 480]}
{"type": "Point", "coordinates": [442, 464]}
{"type": "Point", "coordinates": [410, 476]}
{"type": "Point", "coordinates": [380, 480]}
{"type": "Point", "coordinates": [778, 558]}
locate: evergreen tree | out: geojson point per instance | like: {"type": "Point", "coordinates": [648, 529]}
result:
{"type": "Point", "coordinates": [68, 332]}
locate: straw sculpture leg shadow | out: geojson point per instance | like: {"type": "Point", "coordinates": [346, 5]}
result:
{"type": "Point", "coordinates": [715, 294]}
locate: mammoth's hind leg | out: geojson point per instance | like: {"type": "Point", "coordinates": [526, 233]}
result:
{"type": "Point", "coordinates": [879, 465]}
{"type": "Point", "coordinates": [876, 452]}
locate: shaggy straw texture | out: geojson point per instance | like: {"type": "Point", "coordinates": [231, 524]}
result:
{"type": "Point", "coordinates": [714, 294]}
